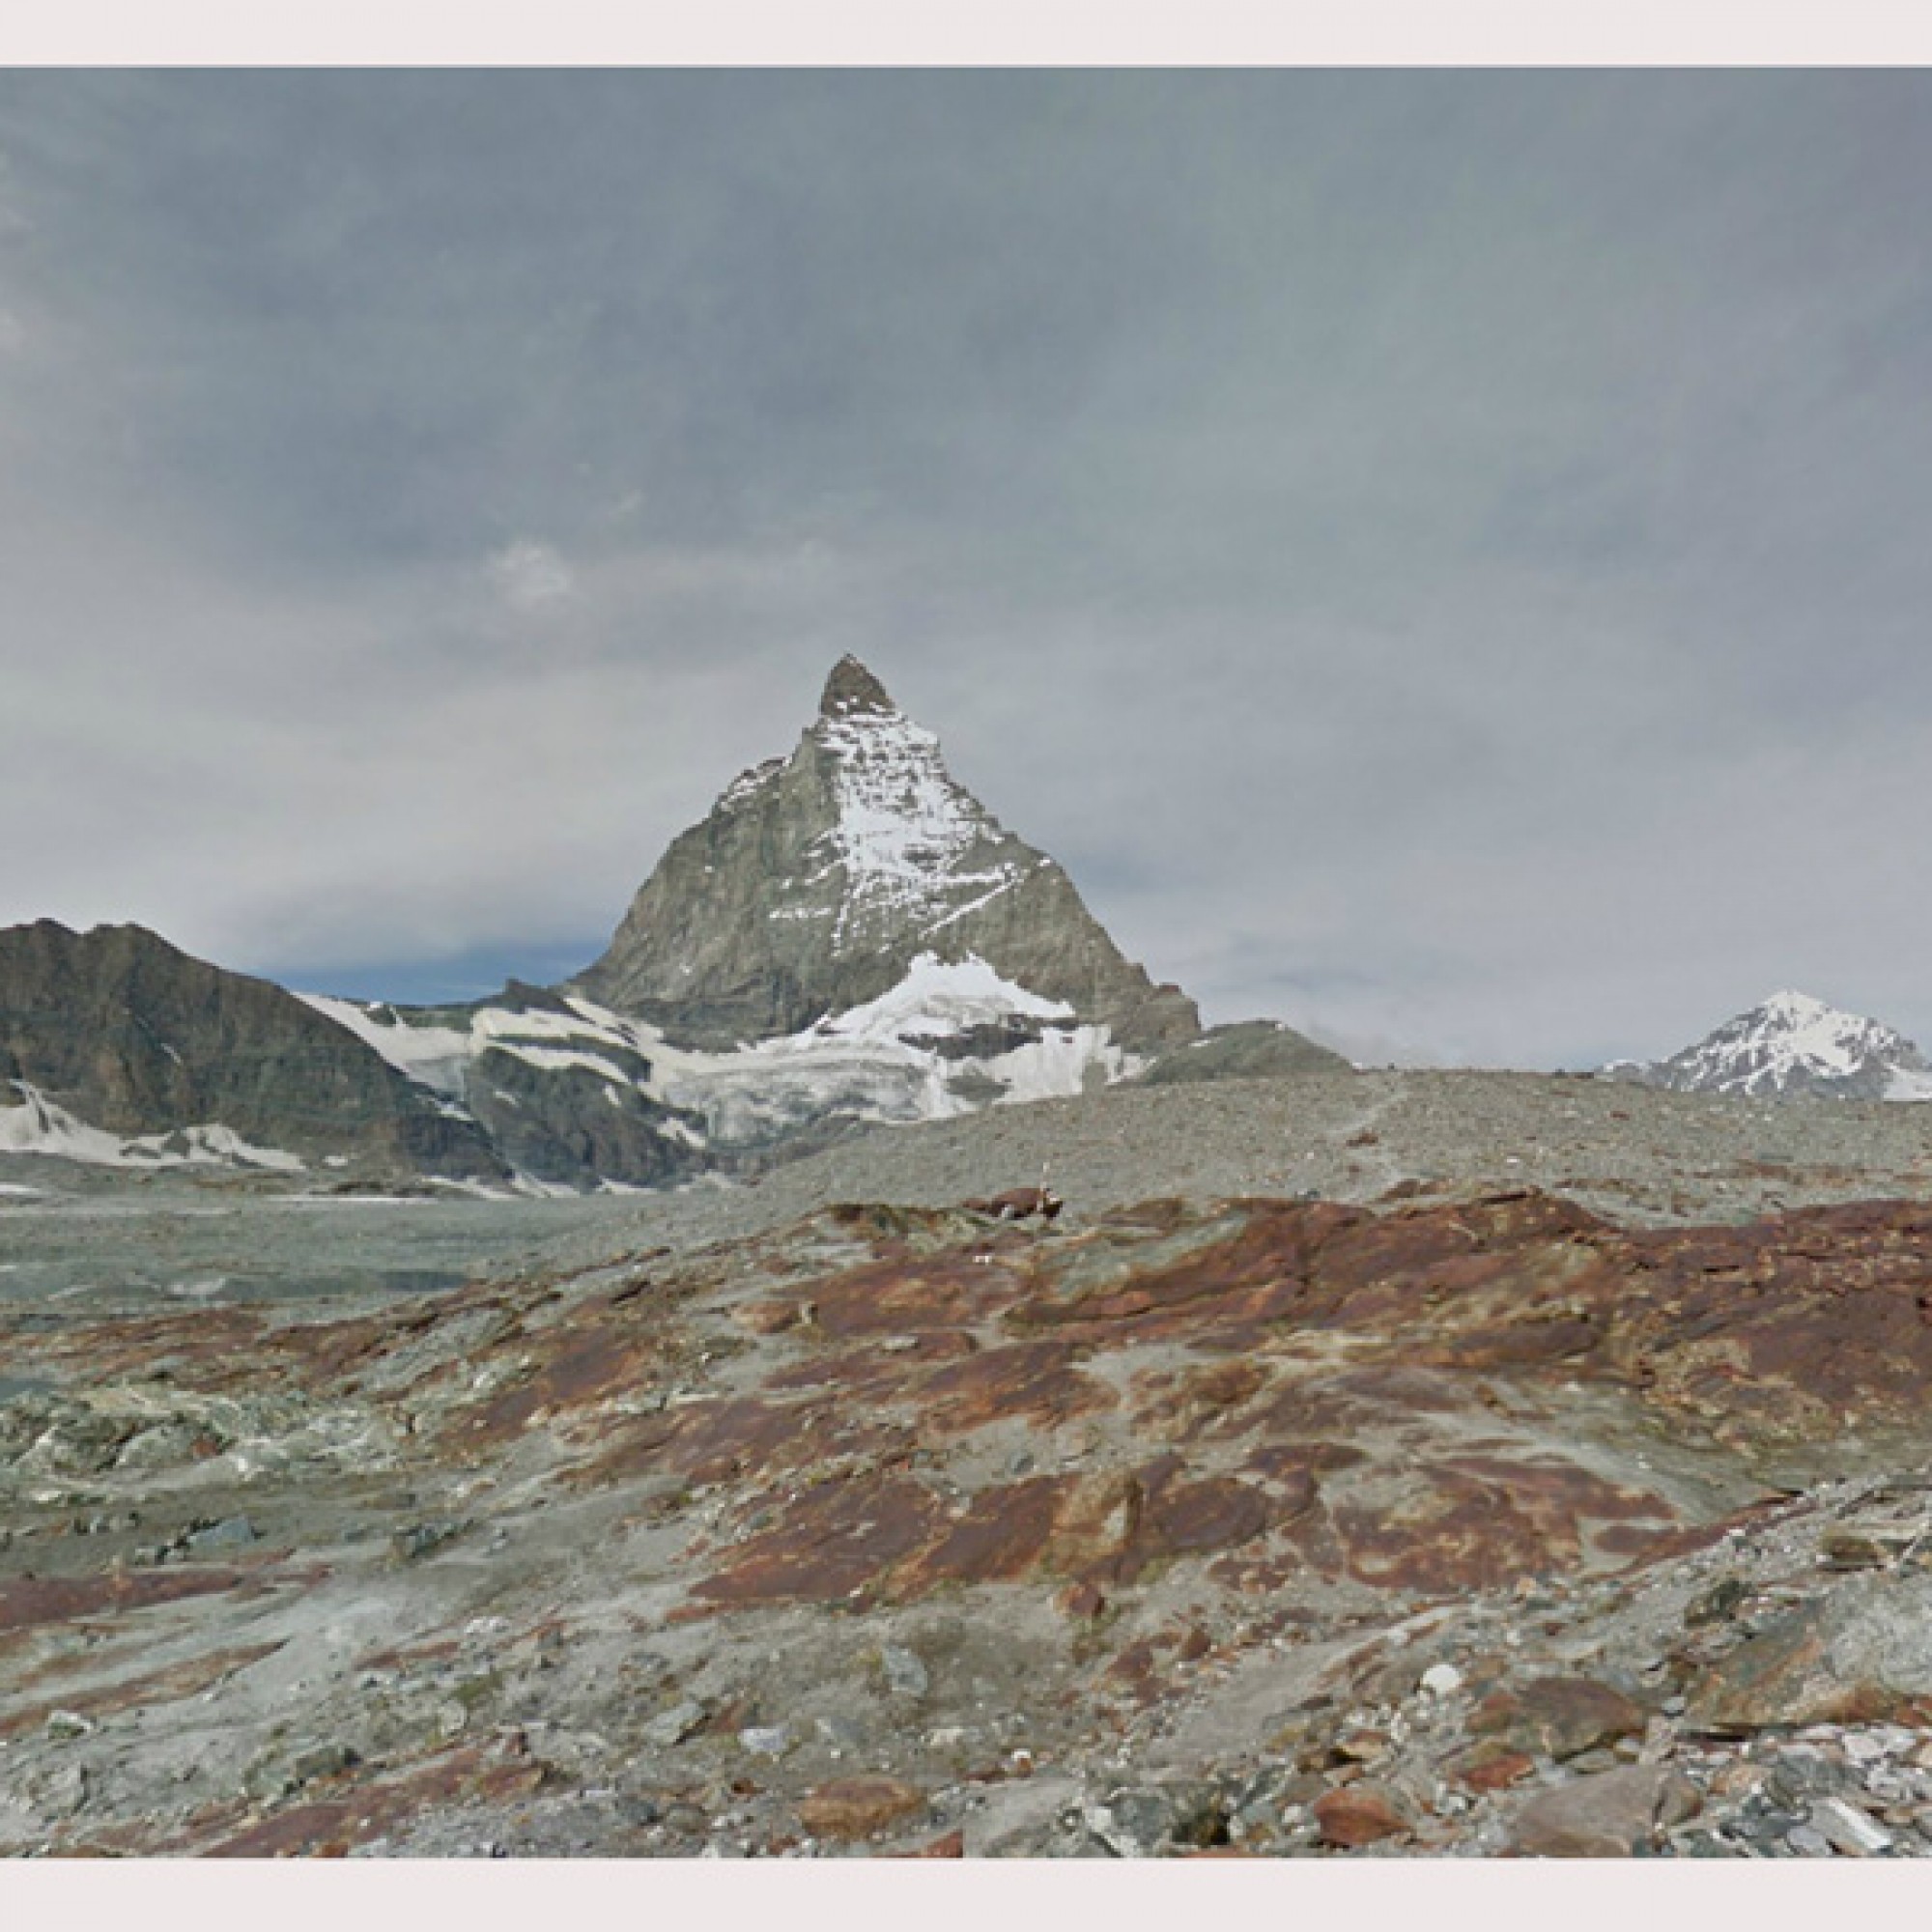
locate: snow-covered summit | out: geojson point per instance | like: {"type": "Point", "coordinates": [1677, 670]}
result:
{"type": "Point", "coordinates": [1792, 1044]}
{"type": "Point", "coordinates": [817, 881]}
{"type": "Point", "coordinates": [914, 847]}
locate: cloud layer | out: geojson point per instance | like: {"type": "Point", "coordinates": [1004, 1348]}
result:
{"type": "Point", "coordinates": [1438, 557]}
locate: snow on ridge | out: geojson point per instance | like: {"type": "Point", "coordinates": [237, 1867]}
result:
{"type": "Point", "coordinates": [433, 1057]}
{"type": "Point", "coordinates": [747, 784]}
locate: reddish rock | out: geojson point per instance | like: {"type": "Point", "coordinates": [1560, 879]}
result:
{"type": "Point", "coordinates": [26, 1602]}
{"type": "Point", "coordinates": [769, 1317]}
{"type": "Point", "coordinates": [857, 1808]}
{"type": "Point", "coordinates": [951, 1846]}
{"type": "Point", "coordinates": [1360, 1813]}
{"type": "Point", "coordinates": [184, 1679]}
{"type": "Point", "coordinates": [1031, 1382]}
{"type": "Point", "coordinates": [1216, 1514]}
{"type": "Point", "coordinates": [1195, 1643]}
{"type": "Point", "coordinates": [1859, 1654]}
{"type": "Point", "coordinates": [1081, 1602]}
{"type": "Point", "coordinates": [1095, 1524]}
{"type": "Point", "coordinates": [1558, 1717]}
{"type": "Point", "coordinates": [1489, 1767]}
{"type": "Point", "coordinates": [1001, 1536]}
{"type": "Point", "coordinates": [1613, 1814]}
{"type": "Point", "coordinates": [834, 1541]}
{"type": "Point", "coordinates": [899, 1297]}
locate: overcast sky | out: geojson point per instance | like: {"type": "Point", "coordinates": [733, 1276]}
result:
{"type": "Point", "coordinates": [1441, 557]}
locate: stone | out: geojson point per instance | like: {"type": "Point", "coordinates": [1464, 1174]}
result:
{"type": "Point", "coordinates": [669, 1728]}
{"type": "Point", "coordinates": [1082, 1602]}
{"type": "Point", "coordinates": [1138, 1822]}
{"type": "Point", "coordinates": [952, 1845]}
{"type": "Point", "coordinates": [62, 1791]}
{"type": "Point", "coordinates": [765, 1739]}
{"type": "Point", "coordinates": [418, 1540]}
{"type": "Point", "coordinates": [1716, 1605]}
{"type": "Point", "coordinates": [1859, 1653]}
{"type": "Point", "coordinates": [1847, 1549]}
{"type": "Point", "coordinates": [319, 1761]}
{"type": "Point", "coordinates": [1848, 1829]}
{"type": "Point", "coordinates": [1559, 1717]}
{"type": "Point", "coordinates": [859, 1807]}
{"type": "Point", "coordinates": [1441, 1680]}
{"type": "Point", "coordinates": [1360, 1814]}
{"type": "Point", "coordinates": [905, 1675]}
{"type": "Point", "coordinates": [233, 1532]}
{"type": "Point", "coordinates": [1611, 1814]}
{"type": "Point", "coordinates": [1492, 1765]}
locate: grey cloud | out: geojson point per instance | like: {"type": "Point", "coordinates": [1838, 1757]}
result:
{"type": "Point", "coordinates": [1439, 557]}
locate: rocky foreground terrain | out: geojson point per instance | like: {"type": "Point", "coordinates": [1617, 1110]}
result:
{"type": "Point", "coordinates": [1380, 1465]}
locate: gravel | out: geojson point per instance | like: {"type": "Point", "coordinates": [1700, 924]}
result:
{"type": "Point", "coordinates": [1632, 1154]}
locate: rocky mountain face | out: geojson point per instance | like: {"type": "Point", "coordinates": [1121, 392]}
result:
{"type": "Point", "coordinates": [1793, 1044]}
{"type": "Point", "coordinates": [118, 1048]}
{"type": "Point", "coordinates": [817, 880]}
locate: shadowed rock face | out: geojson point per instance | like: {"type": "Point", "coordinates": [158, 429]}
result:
{"type": "Point", "coordinates": [134, 1036]}
{"type": "Point", "coordinates": [818, 879]}
{"type": "Point", "coordinates": [1252, 1496]}
{"type": "Point", "coordinates": [1249, 1050]}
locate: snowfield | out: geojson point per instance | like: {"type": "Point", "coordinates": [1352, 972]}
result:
{"type": "Point", "coordinates": [882, 1060]}
{"type": "Point", "coordinates": [39, 1126]}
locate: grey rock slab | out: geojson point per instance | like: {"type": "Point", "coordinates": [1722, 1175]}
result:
{"type": "Point", "coordinates": [1848, 1829]}
{"type": "Point", "coordinates": [905, 1674]}
{"type": "Point", "coordinates": [669, 1728]}
{"type": "Point", "coordinates": [234, 1533]}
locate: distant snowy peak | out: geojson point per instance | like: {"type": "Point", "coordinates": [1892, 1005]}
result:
{"type": "Point", "coordinates": [1790, 1044]}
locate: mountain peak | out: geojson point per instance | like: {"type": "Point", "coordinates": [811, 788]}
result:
{"type": "Point", "coordinates": [851, 688]}
{"type": "Point", "coordinates": [1793, 1042]}
{"type": "Point", "coordinates": [819, 881]}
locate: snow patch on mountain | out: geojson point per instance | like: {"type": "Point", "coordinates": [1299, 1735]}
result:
{"type": "Point", "coordinates": [951, 1036]}
{"type": "Point", "coordinates": [432, 1056]}
{"type": "Point", "coordinates": [1792, 1044]}
{"type": "Point", "coordinates": [939, 997]}
{"type": "Point", "coordinates": [39, 1125]}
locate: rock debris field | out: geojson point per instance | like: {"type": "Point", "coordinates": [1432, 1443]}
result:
{"type": "Point", "coordinates": [1391, 1464]}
